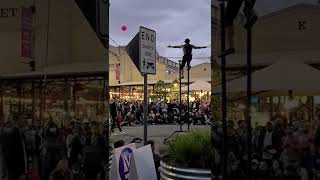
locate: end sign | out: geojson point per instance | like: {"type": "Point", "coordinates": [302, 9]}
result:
{"type": "Point", "coordinates": [142, 50]}
{"type": "Point", "coordinates": [147, 48]}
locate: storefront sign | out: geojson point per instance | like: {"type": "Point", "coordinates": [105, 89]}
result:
{"type": "Point", "coordinates": [8, 12]}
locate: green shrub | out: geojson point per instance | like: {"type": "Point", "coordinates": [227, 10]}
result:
{"type": "Point", "coordinates": [192, 149]}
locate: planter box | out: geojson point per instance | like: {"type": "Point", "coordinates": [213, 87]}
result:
{"type": "Point", "coordinates": [168, 172]}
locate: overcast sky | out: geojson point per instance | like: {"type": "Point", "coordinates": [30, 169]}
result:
{"type": "Point", "coordinates": [174, 20]}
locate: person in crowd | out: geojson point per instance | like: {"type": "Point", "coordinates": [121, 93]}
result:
{"type": "Point", "coordinates": [158, 118]}
{"type": "Point", "coordinates": [151, 117]}
{"type": "Point", "coordinates": [269, 140]}
{"type": "Point", "coordinates": [118, 144]}
{"type": "Point", "coordinates": [14, 151]}
{"type": "Point", "coordinates": [95, 155]}
{"type": "Point", "coordinates": [129, 120]}
{"type": "Point", "coordinates": [233, 144]}
{"type": "Point", "coordinates": [126, 107]}
{"type": "Point", "coordinates": [75, 143]}
{"type": "Point", "coordinates": [139, 113]}
{"type": "Point", "coordinates": [87, 133]}
{"type": "Point", "coordinates": [61, 172]}
{"type": "Point", "coordinates": [114, 116]}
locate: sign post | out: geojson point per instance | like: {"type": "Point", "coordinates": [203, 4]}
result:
{"type": "Point", "coordinates": [145, 108]}
{"type": "Point", "coordinates": [147, 47]}
{"type": "Point", "coordinates": [142, 51]}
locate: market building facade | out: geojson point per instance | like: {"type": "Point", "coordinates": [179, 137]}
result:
{"type": "Point", "coordinates": [51, 58]}
{"type": "Point", "coordinates": [289, 34]}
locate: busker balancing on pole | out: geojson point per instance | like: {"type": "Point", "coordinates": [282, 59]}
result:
{"type": "Point", "coordinates": [233, 8]}
{"type": "Point", "coordinates": [187, 54]}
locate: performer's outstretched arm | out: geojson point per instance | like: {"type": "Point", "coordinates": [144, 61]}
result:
{"type": "Point", "coordinates": [200, 47]}
{"type": "Point", "coordinates": [181, 46]}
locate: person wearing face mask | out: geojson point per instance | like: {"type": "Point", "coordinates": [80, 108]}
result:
{"type": "Point", "coordinates": [53, 148]}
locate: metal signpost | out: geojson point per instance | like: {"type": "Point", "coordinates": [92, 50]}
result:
{"type": "Point", "coordinates": [142, 51]}
{"type": "Point", "coordinates": [147, 47]}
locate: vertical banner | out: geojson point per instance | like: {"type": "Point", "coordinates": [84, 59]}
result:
{"type": "Point", "coordinates": [118, 72]}
{"type": "Point", "coordinates": [26, 32]}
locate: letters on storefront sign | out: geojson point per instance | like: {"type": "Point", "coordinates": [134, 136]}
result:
{"type": "Point", "coordinates": [8, 12]}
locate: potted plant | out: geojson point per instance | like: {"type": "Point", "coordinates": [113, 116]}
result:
{"type": "Point", "coordinates": [189, 156]}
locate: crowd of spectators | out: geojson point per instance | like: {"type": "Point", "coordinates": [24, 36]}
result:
{"type": "Point", "coordinates": [282, 149]}
{"type": "Point", "coordinates": [129, 113]}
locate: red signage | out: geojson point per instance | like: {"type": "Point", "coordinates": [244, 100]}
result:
{"type": "Point", "coordinates": [118, 72]}
{"type": "Point", "coordinates": [26, 32]}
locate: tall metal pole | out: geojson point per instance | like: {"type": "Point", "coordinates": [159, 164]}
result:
{"type": "Point", "coordinates": [145, 109]}
{"type": "Point", "coordinates": [33, 95]}
{"type": "Point", "coordinates": [1, 101]}
{"type": "Point", "coordinates": [102, 32]}
{"type": "Point", "coordinates": [74, 98]}
{"type": "Point", "coordinates": [106, 89]}
{"type": "Point", "coordinates": [188, 115]}
{"type": "Point", "coordinates": [249, 94]}
{"type": "Point", "coordinates": [66, 99]}
{"type": "Point", "coordinates": [180, 91]}
{"type": "Point", "coordinates": [224, 93]}
{"type": "Point", "coordinates": [19, 94]}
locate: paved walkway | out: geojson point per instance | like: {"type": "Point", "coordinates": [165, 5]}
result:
{"type": "Point", "coordinates": [155, 132]}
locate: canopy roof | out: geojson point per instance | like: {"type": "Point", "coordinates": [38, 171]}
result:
{"type": "Point", "coordinates": [266, 59]}
{"type": "Point", "coordinates": [198, 86]}
{"type": "Point", "coordinates": [63, 70]}
{"type": "Point", "coordinates": [281, 76]}
{"type": "Point", "coordinates": [168, 81]}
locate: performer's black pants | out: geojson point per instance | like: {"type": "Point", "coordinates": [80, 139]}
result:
{"type": "Point", "coordinates": [233, 8]}
{"type": "Point", "coordinates": [185, 60]}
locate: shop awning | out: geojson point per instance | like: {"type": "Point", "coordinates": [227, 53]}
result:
{"type": "Point", "coordinates": [198, 86]}
{"type": "Point", "coordinates": [62, 70]}
{"type": "Point", "coordinates": [168, 81]}
{"type": "Point", "coordinates": [279, 78]}
{"type": "Point", "coordinates": [269, 58]}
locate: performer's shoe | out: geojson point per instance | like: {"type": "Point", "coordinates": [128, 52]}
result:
{"type": "Point", "coordinates": [227, 52]}
{"type": "Point", "coordinates": [189, 67]}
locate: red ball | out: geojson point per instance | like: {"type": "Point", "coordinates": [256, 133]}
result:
{"type": "Point", "coordinates": [124, 28]}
